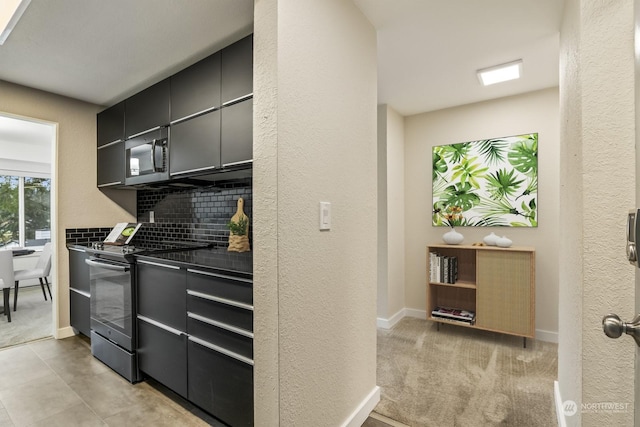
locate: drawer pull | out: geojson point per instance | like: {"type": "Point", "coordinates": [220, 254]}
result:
{"type": "Point", "coordinates": [78, 291]}
{"type": "Point", "coordinates": [221, 325]}
{"type": "Point", "coordinates": [220, 300]}
{"type": "Point", "coordinates": [157, 264]}
{"type": "Point", "coordinates": [220, 276]}
{"type": "Point", "coordinates": [162, 326]}
{"type": "Point", "coordinates": [221, 350]}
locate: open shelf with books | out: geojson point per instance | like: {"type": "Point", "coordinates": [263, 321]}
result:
{"type": "Point", "coordinates": [484, 287]}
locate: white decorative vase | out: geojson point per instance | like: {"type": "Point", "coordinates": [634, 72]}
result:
{"type": "Point", "coordinates": [452, 237]}
{"type": "Point", "coordinates": [503, 242]}
{"type": "Point", "coordinates": [490, 239]}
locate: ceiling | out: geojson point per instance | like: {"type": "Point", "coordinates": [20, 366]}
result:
{"type": "Point", "coordinates": [428, 50]}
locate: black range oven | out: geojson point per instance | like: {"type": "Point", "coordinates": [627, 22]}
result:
{"type": "Point", "coordinates": [113, 333]}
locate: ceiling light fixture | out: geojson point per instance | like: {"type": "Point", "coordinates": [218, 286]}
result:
{"type": "Point", "coordinates": [500, 73]}
{"type": "Point", "coordinates": [10, 13]}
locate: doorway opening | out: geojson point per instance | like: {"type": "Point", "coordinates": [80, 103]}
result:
{"type": "Point", "coordinates": [27, 212]}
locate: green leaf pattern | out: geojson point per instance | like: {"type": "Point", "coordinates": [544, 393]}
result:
{"type": "Point", "coordinates": [495, 181]}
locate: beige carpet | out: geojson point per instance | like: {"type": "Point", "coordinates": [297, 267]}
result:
{"type": "Point", "coordinates": [32, 320]}
{"type": "Point", "coordinates": [464, 377]}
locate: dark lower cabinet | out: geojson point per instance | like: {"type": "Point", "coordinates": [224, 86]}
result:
{"type": "Point", "coordinates": [220, 384]}
{"type": "Point", "coordinates": [79, 291]}
{"type": "Point", "coordinates": [80, 305]}
{"type": "Point", "coordinates": [162, 354]}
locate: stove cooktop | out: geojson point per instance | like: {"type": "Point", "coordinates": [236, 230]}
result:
{"type": "Point", "coordinates": [128, 251]}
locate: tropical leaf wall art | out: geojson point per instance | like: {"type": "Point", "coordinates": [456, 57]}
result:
{"type": "Point", "coordinates": [493, 181]}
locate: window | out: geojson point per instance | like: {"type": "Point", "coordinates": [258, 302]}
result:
{"type": "Point", "coordinates": [25, 218]}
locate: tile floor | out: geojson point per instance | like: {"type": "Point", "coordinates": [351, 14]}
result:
{"type": "Point", "coordinates": [58, 383]}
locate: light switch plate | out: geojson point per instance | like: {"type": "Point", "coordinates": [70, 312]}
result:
{"type": "Point", "coordinates": [325, 216]}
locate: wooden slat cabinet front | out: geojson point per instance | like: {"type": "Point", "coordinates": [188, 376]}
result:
{"type": "Point", "coordinates": [496, 284]}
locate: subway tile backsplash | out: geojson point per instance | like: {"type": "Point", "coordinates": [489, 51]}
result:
{"type": "Point", "coordinates": [192, 214]}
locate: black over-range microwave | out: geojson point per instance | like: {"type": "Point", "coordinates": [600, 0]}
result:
{"type": "Point", "coordinates": [146, 157]}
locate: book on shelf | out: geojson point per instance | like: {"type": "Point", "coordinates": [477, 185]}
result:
{"type": "Point", "coordinates": [442, 268]}
{"type": "Point", "coordinates": [454, 314]}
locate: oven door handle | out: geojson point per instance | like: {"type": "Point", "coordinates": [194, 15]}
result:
{"type": "Point", "coordinates": [99, 264]}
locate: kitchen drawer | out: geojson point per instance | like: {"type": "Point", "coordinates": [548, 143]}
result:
{"type": "Point", "coordinates": [224, 311]}
{"type": "Point", "coordinates": [220, 384]}
{"type": "Point", "coordinates": [162, 354]}
{"type": "Point", "coordinates": [220, 285]}
{"type": "Point", "coordinates": [80, 304]}
{"type": "Point", "coordinates": [162, 293]}
{"type": "Point", "coordinates": [237, 340]}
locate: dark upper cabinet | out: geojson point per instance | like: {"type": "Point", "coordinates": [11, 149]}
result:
{"type": "Point", "coordinates": [195, 145]}
{"type": "Point", "coordinates": [111, 124]}
{"type": "Point", "coordinates": [111, 164]}
{"type": "Point", "coordinates": [147, 109]}
{"type": "Point", "coordinates": [236, 141]}
{"type": "Point", "coordinates": [196, 89]}
{"type": "Point", "coordinates": [237, 70]}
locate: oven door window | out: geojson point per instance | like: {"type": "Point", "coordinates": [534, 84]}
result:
{"type": "Point", "coordinates": [111, 296]}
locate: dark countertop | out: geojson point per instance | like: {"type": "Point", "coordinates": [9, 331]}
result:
{"type": "Point", "coordinates": [234, 263]}
{"type": "Point", "coordinates": [217, 258]}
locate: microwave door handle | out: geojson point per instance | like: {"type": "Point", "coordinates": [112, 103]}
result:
{"type": "Point", "coordinates": [153, 155]}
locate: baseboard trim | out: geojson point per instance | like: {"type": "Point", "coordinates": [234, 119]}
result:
{"type": "Point", "coordinates": [413, 312]}
{"type": "Point", "coordinates": [546, 336]}
{"type": "Point", "coordinates": [389, 323]}
{"type": "Point", "coordinates": [64, 333]}
{"type": "Point", "coordinates": [562, 422]}
{"type": "Point", "coordinates": [359, 416]}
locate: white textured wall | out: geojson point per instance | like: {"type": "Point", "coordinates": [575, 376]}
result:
{"type": "Point", "coordinates": [598, 176]}
{"type": "Point", "coordinates": [391, 221]}
{"type": "Point", "coordinates": [532, 112]}
{"type": "Point", "coordinates": [78, 202]}
{"type": "Point", "coordinates": [318, 139]}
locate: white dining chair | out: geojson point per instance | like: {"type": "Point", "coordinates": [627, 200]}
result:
{"type": "Point", "coordinates": [40, 272]}
{"type": "Point", "coordinates": [6, 279]}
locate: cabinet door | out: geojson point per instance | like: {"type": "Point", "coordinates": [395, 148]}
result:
{"type": "Point", "coordinates": [110, 124]}
{"type": "Point", "coordinates": [78, 270]}
{"type": "Point", "coordinates": [236, 143]}
{"type": "Point", "coordinates": [162, 294]}
{"type": "Point", "coordinates": [79, 311]}
{"type": "Point", "coordinates": [111, 164]}
{"type": "Point", "coordinates": [196, 89]}
{"type": "Point", "coordinates": [505, 292]}
{"type": "Point", "coordinates": [147, 109]}
{"type": "Point", "coordinates": [237, 69]}
{"type": "Point", "coordinates": [195, 144]}
{"type": "Point", "coordinates": [220, 384]}
{"type": "Point", "coordinates": [162, 354]}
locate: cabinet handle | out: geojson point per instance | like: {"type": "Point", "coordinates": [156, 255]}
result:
{"type": "Point", "coordinates": [238, 99]}
{"type": "Point", "coordinates": [220, 300]}
{"type": "Point", "coordinates": [220, 276]}
{"type": "Point", "coordinates": [162, 326]}
{"type": "Point", "coordinates": [221, 325]}
{"type": "Point", "coordinates": [78, 291]}
{"type": "Point", "coordinates": [143, 132]}
{"type": "Point", "coordinates": [193, 170]}
{"type": "Point", "coordinates": [109, 184]}
{"type": "Point", "coordinates": [191, 116]}
{"type": "Point", "coordinates": [157, 264]}
{"type": "Point", "coordinates": [99, 264]}
{"type": "Point", "coordinates": [221, 350]}
{"type": "Point", "coordinates": [243, 162]}
{"type": "Point", "coordinates": [109, 144]}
